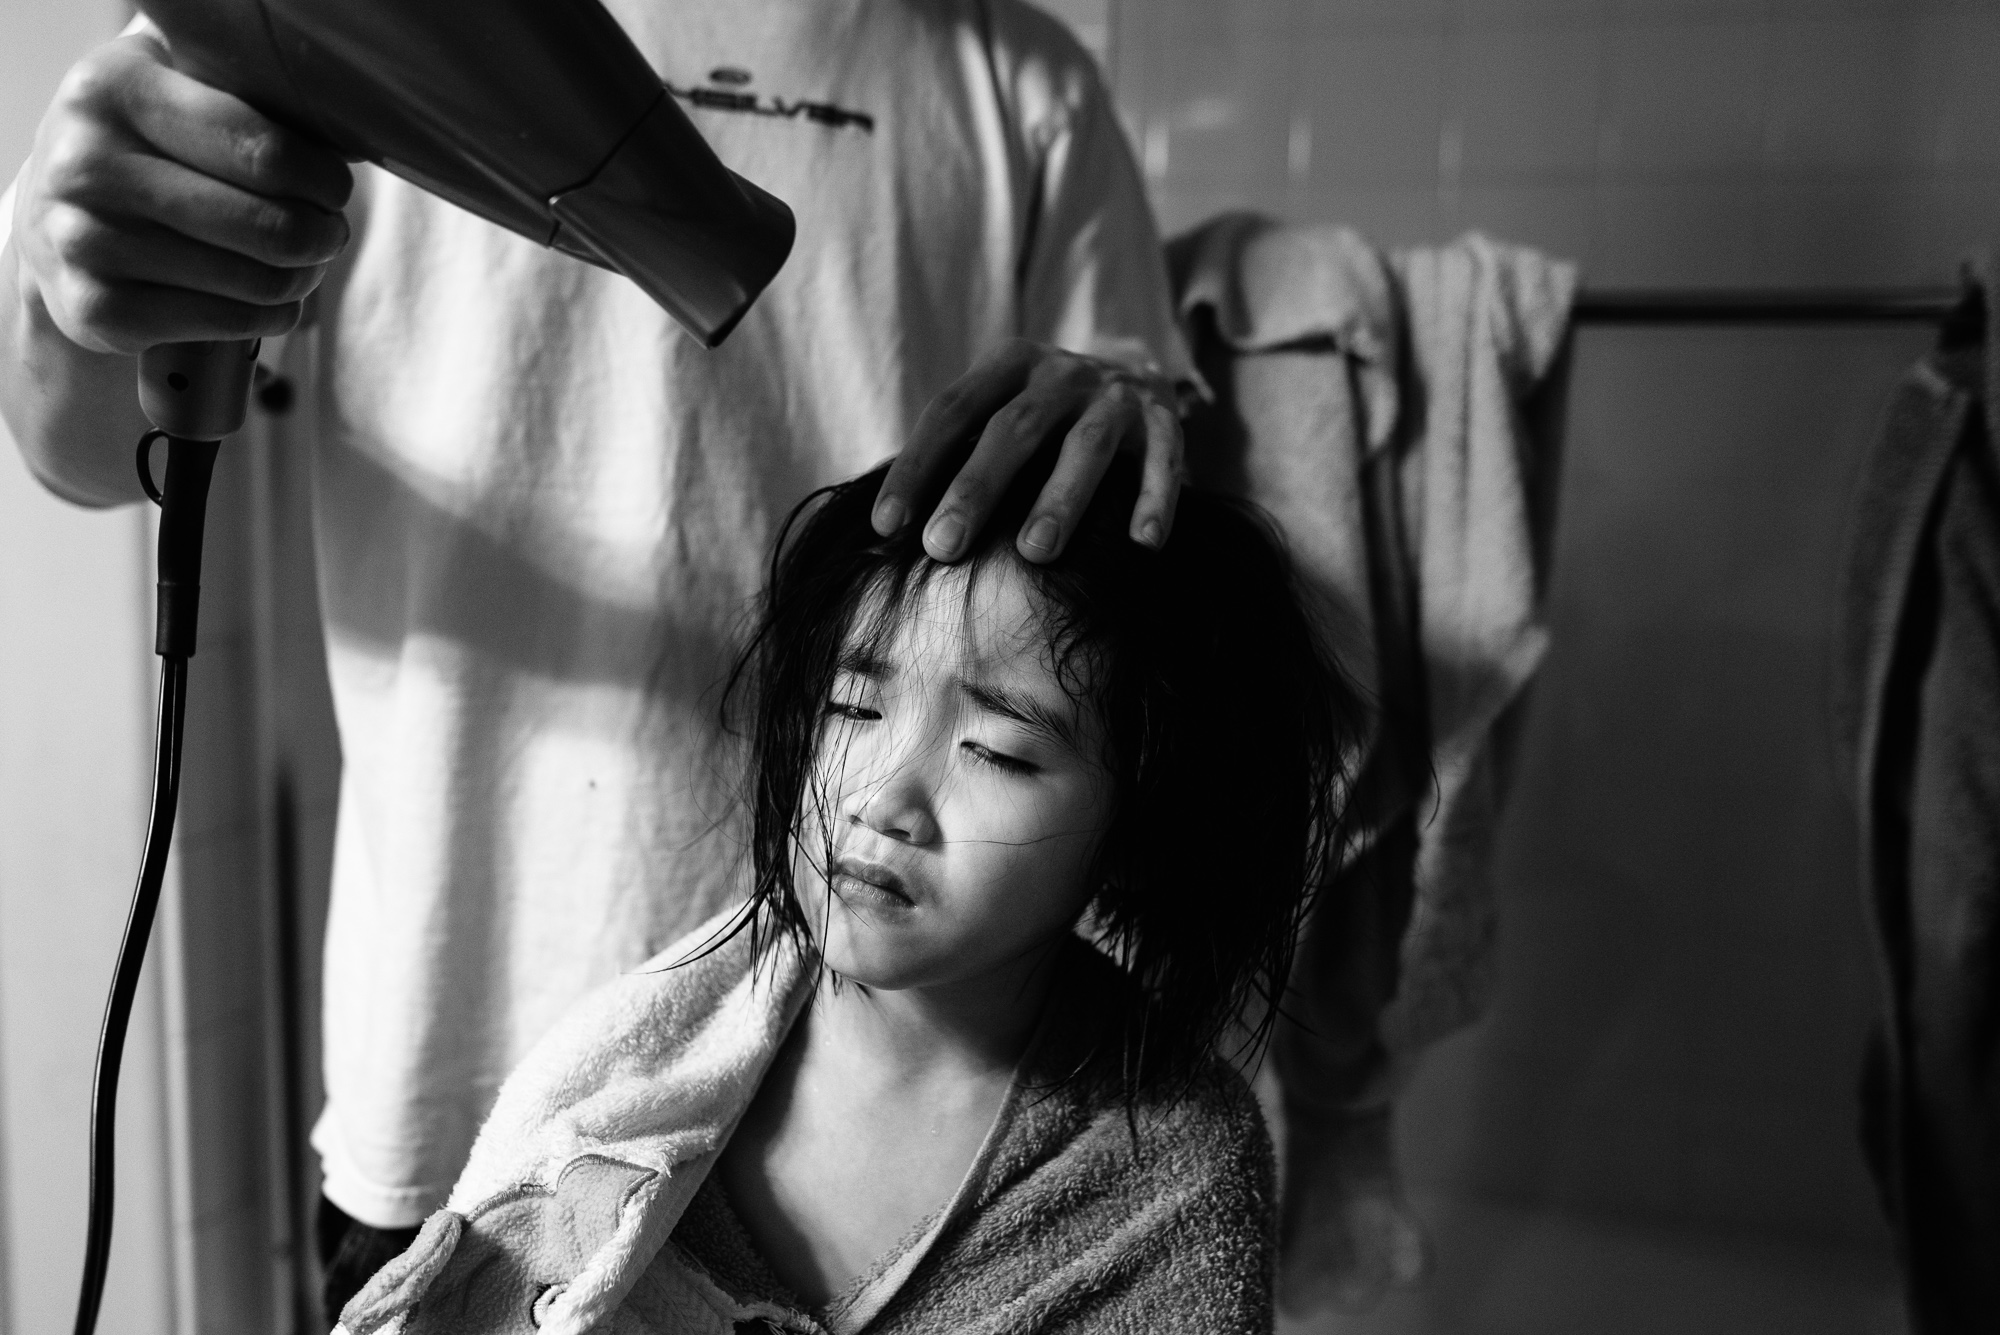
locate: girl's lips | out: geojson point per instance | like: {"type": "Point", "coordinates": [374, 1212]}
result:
{"type": "Point", "coordinates": [870, 880]}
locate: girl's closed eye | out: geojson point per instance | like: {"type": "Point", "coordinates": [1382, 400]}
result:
{"type": "Point", "coordinates": [852, 699]}
{"type": "Point", "coordinates": [999, 760]}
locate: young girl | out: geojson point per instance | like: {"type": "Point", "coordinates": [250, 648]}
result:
{"type": "Point", "coordinates": [1027, 842]}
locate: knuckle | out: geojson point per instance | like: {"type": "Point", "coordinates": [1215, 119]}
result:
{"type": "Point", "coordinates": [1053, 367]}
{"type": "Point", "coordinates": [71, 154]}
{"type": "Point", "coordinates": [1099, 438]}
{"type": "Point", "coordinates": [90, 83]}
{"type": "Point", "coordinates": [94, 306]}
{"type": "Point", "coordinates": [279, 230]}
{"type": "Point", "coordinates": [1096, 434]}
{"type": "Point", "coordinates": [949, 399]}
{"type": "Point", "coordinates": [969, 492]}
{"type": "Point", "coordinates": [257, 153]}
{"type": "Point", "coordinates": [1044, 379]}
{"type": "Point", "coordinates": [1086, 380]}
{"type": "Point", "coordinates": [70, 234]}
{"type": "Point", "coordinates": [270, 223]}
{"type": "Point", "coordinates": [1122, 402]}
{"type": "Point", "coordinates": [1015, 420]}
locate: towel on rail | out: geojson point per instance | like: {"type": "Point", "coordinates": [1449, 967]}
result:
{"type": "Point", "coordinates": [1399, 415]}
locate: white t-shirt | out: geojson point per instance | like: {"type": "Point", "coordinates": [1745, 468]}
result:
{"type": "Point", "coordinates": [543, 511]}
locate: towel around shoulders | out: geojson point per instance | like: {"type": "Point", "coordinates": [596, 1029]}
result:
{"type": "Point", "coordinates": [1083, 1209]}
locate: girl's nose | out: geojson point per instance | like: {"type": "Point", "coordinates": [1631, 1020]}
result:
{"type": "Point", "coordinates": [897, 808]}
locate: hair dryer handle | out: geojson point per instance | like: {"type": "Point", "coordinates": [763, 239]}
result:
{"type": "Point", "coordinates": [198, 391]}
{"type": "Point", "coordinates": [183, 510]}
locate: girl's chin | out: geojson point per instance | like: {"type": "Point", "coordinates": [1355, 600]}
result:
{"type": "Point", "coordinates": [868, 969]}
{"type": "Point", "coordinates": [875, 955]}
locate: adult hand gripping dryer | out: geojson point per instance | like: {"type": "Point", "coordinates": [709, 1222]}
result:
{"type": "Point", "coordinates": [538, 115]}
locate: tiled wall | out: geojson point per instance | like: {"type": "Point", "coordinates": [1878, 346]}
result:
{"type": "Point", "coordinates": [1686, 980]}
{"type": "Point", "coordinates": [1657, 141]}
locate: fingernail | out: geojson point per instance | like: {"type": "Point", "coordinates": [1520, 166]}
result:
{"type": "Point", "coordinates": [1042, 534]}
{"type": "Point", "coordinates": [890, 515]}
{"type": "Point", "coordinates": [944, 536]}
{"type": "Point", "coordinates": [1149, 533]}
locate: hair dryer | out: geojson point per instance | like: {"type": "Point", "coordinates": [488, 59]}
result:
{"type": "Point", "coordinates": [538, 115]}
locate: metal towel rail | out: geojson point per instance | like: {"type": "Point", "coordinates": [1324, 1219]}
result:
{"type": "Point", "coordinates": [1667, 306]}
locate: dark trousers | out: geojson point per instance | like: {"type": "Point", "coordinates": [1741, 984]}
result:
{"type": "Point", "coordinates": [350, 1252]}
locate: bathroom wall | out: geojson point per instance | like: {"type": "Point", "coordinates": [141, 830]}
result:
{"type": "Point", "coordinates": [75, 730]}
{"type": "Point", "coordinates": [1658, 1114]}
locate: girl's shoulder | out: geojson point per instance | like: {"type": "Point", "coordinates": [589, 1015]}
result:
{"type": "Point", "coordinates": [1101, 1208]}
{"type": "Point", "coordinates": [635, 1059]}
{"type": "Point", "coordinates": [1206, 1120]}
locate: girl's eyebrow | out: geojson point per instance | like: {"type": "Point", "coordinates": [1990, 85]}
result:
{"type": "Point", "coordinates": [862, 663]}
{"type": "Point", "coordinates": [1023, 709]}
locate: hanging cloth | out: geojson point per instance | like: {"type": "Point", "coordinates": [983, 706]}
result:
{"type": "Point", "coordinates": [1398, 415]}
{"type": "Point", "coordinates": [1917, 708]}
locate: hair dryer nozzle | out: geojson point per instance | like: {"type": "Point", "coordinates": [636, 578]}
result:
{"type": "Point", "coordinates": [698, 238]}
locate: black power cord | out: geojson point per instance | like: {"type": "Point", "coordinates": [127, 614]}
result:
{"type": "Point", "coordinates": [183, 502]}
{"type": "Point", "coordinates": [125, 985]}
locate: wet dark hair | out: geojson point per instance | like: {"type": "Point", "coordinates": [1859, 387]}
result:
{"type": "Point", "coordinates": [1228, 733]}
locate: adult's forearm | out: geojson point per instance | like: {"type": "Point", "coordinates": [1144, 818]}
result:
{"type": "Point", "coordinates": [74, 413]}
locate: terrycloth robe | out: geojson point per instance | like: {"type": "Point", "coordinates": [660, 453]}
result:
{"type": "Point", "coordinates": [1074, 1216]}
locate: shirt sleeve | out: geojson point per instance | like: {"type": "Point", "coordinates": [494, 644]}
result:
{"type": "Point", "coordinates": [1094, 277]}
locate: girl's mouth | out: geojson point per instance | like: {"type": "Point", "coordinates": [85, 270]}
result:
{"type": "Point", "coordinates": [857, 878]}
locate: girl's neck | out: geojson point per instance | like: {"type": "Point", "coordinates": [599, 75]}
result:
{"type": "Point", "coordinates": [974, 1026]}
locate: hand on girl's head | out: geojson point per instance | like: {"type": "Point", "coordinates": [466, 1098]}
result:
{"type": "Point", "coordinates": [957, 798]}
{"type": "Point", "coordinates": [1020, 400]}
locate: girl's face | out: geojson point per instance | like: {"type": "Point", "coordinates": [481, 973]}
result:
{"type": "Point", "coordinates": [958, 800]}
